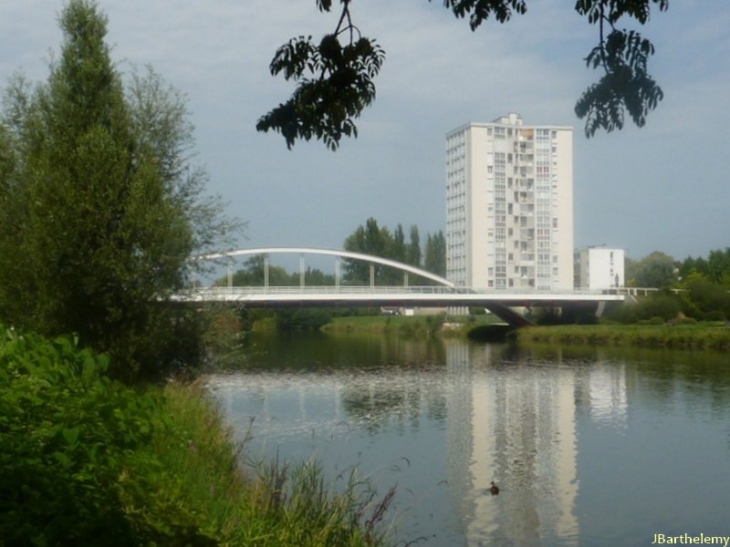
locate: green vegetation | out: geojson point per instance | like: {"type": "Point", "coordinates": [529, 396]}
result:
{"type": "Point", "coordinates": [714, 336]}
{"type": "Point", "coordinates": [100, 207]}
{"type": "Point", "coordinates": [375, 240]}
{"type": "Point", "coordinates": [693, 290]}
{"type": "Point", "coordinates": [100, 210]}
{"type": "Point", "coordinates": [387, 324]}
{"type": "Point", "coordinates": [334, 78]}
{"type": "Point", "coordinates": [85, 457]}
{"type": "Point", "coordinates": [415, 325]}
{"type": "Point", "coordinates": [253, 275]}
{"type": "Point", "coordinates": [369, 239]}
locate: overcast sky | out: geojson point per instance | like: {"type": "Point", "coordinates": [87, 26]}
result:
{"type": "Point", "coordinates": [663, 187]}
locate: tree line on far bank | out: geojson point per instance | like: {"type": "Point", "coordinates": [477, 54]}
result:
{"type": "Point", "coordinates": [695, 289]}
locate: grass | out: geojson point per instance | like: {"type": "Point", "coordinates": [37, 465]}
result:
{"type": "Point", "coordinates": [407, 325]}
{"type": "Point", "coordinates": [86, 457]}
{"type": "Point", "coordinates": [273, 505]}
{"type": "Point", "coordinates": [413, 325]}
{"type": "Point", "coordinates": [714, 336]}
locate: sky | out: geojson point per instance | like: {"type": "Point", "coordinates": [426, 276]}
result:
{"type": "Point", "coordinates": [663, 187]}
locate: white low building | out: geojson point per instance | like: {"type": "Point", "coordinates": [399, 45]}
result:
{"type": "Point", "coordinates": [599, 268]}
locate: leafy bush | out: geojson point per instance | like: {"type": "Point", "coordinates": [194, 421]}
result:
{"type": "Point", "coordinates": [705, 300]}
{"type": "Point", "coordinates": [88, 461]}
{"type": "Point", "coordinates": [78, 462]}
{"type": "Point", "coordinates": [657, 308]}
{"type": "Point", "coordinates": [66, 430]}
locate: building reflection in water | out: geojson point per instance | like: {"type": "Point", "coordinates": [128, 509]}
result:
{"type": "Point", "coordinates": [514, 422]}
{"type": "Point", "coordinates": [507, 418]}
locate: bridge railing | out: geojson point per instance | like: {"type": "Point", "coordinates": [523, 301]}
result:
{"type": "Point", "coordinates": [353, 289]}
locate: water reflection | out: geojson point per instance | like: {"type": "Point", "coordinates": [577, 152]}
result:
{"type": "Point", "coordinates": [555, 429]}
{"type": "Point", "coordinates": [515, 425]}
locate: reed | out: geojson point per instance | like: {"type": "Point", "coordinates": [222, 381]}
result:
{"type": "Point", "coordinates": [275, 504]}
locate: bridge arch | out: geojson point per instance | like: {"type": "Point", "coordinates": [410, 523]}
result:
{"type": "Point", "coordinates": [407, 268]}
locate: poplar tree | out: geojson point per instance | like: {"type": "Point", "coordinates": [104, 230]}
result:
{"type": "Point", "coordinates": [435, 256]}
{"type": "Point", "coordinates": [100, 210]}
{"type": "Point", "coordinates": [413, 250]}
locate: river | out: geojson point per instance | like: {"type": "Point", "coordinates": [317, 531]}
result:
{"type": "Point", "coordinates": [588, 446]}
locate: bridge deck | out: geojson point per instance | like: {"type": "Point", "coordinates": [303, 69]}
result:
{"type": "Point", "coordinates": [431, 296]}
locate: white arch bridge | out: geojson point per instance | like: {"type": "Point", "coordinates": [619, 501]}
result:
{"type": "Point", "coordinates": [445, 294]}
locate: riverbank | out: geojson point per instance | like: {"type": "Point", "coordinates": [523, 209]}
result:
{"type": "Point", "coordinates": [85, 457]}
{"type": "Point", "coordinates": [711, 335]}
{"type": "Point", "coordinates": [408, 325]}
{"type": "Point", "coordinates": [486, 328]}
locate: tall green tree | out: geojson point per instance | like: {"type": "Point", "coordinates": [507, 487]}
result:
{"type": "Point", "coordinates": [718, 265]}
{"type": "Point", "coordinates": [334, 78]}
{"type": "Point", "coordinates": [693, 267]}
{"type": "Point", "coordinates": [374, 240]}
{"type": "Point", "coordinates": [435, 255]}
{"type": "Point", "coordinates": [399, 244]}
{"type": "Point", "coordinates": [656, 270]}
{"type": "Point", "coordinates": [101, 208]}
{"type": "Point", "coordinates": [413, 251]}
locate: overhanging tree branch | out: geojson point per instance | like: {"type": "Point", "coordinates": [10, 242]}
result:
{"type": "Point", "coordinates": [335, 81]}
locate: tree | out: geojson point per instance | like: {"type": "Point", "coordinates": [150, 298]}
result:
{"type": "Point", "coordinates": [101, 208]}
{"type": "Point", "coordinates": [399, 244]}
{"type": "Point", "coordinates": [374, 240]}
{"type": "Point", "coordinates": [693, 267]}
{"type": "Point", "coordinates": [435, 255]}
{"type": "Point", "coordinates": [705, 299]}
{"type": "Point", "coordinates": [316, 277]}
{"type": "Point", "coordinates": [718, 265]}
{"type": "Point", "coordinates": [253, 275]}
{"type": "Point", "coordinates": [335, 76]}
{"type": "Point", "coordinates": [413, 252]}
{"type": "Point", "coordinates": [656, 270]}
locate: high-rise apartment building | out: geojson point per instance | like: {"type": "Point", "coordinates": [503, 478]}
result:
{"type": "Point", "coordinates": [509, 205]}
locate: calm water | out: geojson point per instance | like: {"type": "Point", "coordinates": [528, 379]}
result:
{"type": "Point", "coordinates": [588, 447]}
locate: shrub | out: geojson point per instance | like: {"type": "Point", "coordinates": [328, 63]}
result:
{"type": "Point", "coordinates": [65, 429]}
{"type": "Point", "coordinates": [88, 461]}
{"type": "Point", "coordinates": [658, 308]}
